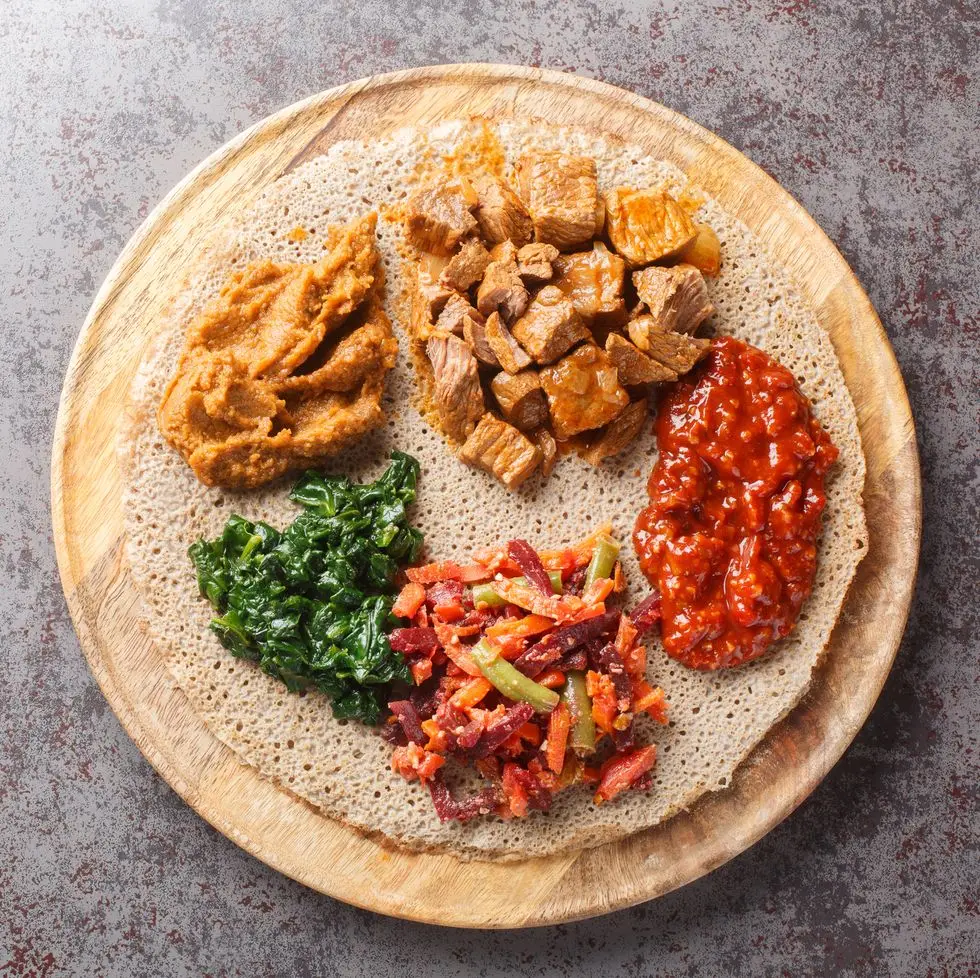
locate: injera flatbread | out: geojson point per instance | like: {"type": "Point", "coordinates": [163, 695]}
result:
{"type": "Point", "coordinates": [343, 768]}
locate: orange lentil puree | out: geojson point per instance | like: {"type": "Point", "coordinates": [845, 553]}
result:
{"type": "Point", "coordinates": [737, 495]}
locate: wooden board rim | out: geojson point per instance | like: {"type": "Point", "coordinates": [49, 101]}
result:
{"type": "Point", "coordinates": [567, 899]}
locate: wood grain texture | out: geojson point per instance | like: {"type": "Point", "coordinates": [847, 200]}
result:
{"type": "Point", "coordinates": [267, 820]}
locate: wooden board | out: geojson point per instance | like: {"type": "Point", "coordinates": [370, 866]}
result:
{"type": "Point", "coordinates": [287, 833]}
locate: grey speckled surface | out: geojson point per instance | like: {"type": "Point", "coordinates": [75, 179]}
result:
{"type": "Point", "coordinates": [867, 112]}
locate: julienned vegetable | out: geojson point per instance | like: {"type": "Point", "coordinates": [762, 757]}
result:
{"type": "Point", "coordinates": [511, 683]}
{"type": "Point", "coordinates": [312, 604]}
{"type": "Point", "coordinates": [531, 675]}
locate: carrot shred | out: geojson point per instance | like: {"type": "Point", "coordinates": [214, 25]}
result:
{"type": "Point", "coordinates": [619, 579]}
{"type": "Point", "coordinates": [650, 699]}
{"type": "Point", "coordinates": [421, 670]}
{"type": "Point", "coordinates": [520, 627]}
{"type": "Point", "coordinates": [471, 693]}
{"type": "Point", "coordinates": [603, 695]}
{"type": "Point", "coordinates": [530, 732]}
{"type": "Point", "coordinates": [449, 612]}
{"type": "Point", "coordinates": [409, 600]}
{"type": "Point", "coordinates": [441, 570]}
{"type": "Point", "coordinates": [598, 591]}
{"type": "Point", "coordinates": [553, 679]}
{"type": "Point", "coordinates": [559, 723]}
{"type": "Point", "coordinates": [558, 607]}
{"type": "Point", "coordinates": [454, 651]}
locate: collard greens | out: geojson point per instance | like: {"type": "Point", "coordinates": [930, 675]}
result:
{"type": "Point", "coordinates": [312, 604]}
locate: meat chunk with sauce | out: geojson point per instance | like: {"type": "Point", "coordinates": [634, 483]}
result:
{"type": "Point", "coordinates": [550, 327]}
{"type": "Point", "coordinates": [677, 297]}
{"type": "Point", "coordinates": [562, 194]}
{"type": "Point", "coordinates": [466, 267]}
{"type": "Point", "coordinates": [475, 333]}
{"type": "Point", "coordinates": [509, 353]}
{"type": "Point", "coordinates": [583, 391]}
{"type": "Point", "coordinates": [535, 263]}
{"type": "Point", "coordinates": [593, 281]}
{"type": "Point", "coordinates": [633, 366]}
{"type": "Point", "coordinates": [456, 392]}
{"type": "Point", "coordinates": [439, 217]}
{"type": "Point", "coordinates": [429, 297]}
{"type": "Point", "coordinates": [618, 433]}
{"type": "Point", "coordinates": [646, 225]}
{"type": "Point", "coordinates": [676, 351]}
{"type": "Point", "coordinates": [500, 213]}
{"type": "Point", "coordinates": [502, 291]}
{"type": "Point", "coordinates": [545, 441]}
{"type": "Point", "coordinates": [454, 314]}
{"type": "Point", "coordinates": [521, 399]}
{"type": "Point", "coordinates": [500, 449]}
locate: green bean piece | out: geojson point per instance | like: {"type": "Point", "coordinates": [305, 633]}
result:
{"type": "Point", "coordinates": [603, 560]}
{"type": "Point", "coordinates": [485, 594]}
{"type": "Point", "coordinates": [513, 684]}
{"type": "Point", "coordinates": [574, 696]}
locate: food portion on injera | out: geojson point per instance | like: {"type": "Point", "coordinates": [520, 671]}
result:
{"type": "Point", "coordinates": [343, 767]}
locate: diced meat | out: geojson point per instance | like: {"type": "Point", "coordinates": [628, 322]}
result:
{"type": "Point", "coordinates": [475, 333]}
{"type": "Point", "coordinates": [457, 395]}
{"type": "Point", "coordinates": [593, 281]}
{"type": "Point", "coordinates": [646, 225]}
{"type": "Point", "coordinates": [617, 434]}
{"type": "Point", "coordinates": [677, 297]}
{"type": "Point", "coordinates": [535, 263]}
{"type": "Point", "coordinates": [704, 252]}
{"type": "Point", "coordinates": [634, 366]}
{"type": "Point", "coordinates": [502, 291]}
{"type": "Point", "coordinates": [505, 251]}
{"type": "Point", "coordinates": [521, 400]}
{"type": "Point", "coordinates": [505, 348]}
{"type": "Point", "coordinates": [675, 351]}
{"type": "Point", "coordinates": [500, 213]}
{"type": "Point", "coordinates": [500, 449]}
{"type": "Point", "coordinates": [562, 194]}
{"type": "Point", "coordinates": [429, 297]}
{"type": "Point", "coordinates": [550, 327]}
{"type": "Point", "coordinates": [454, 313]}
{"type": "Point", "coordinates": [583, 391]}
{"type": "Point", "coordinates": [466, 267]}
{"type": "Point", "coordinates": [545, 440]}
{"type": "Point", "coordinates": [439, 217]}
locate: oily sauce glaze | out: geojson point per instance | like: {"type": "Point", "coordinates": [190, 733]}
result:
{"type": "Point", "coordinates": [737, 494]}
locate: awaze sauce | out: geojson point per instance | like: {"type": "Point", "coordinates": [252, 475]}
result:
{"type": "Point", "coordinates": [736, 497]}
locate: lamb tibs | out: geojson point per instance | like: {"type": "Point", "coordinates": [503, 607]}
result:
{"type": "Point", "coordinates": [526, 673]}
{"type": "Point", "coordinates": [572, 303]}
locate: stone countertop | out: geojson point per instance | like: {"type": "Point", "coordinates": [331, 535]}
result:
{"type": "Point", "coordinates": [866, 112]}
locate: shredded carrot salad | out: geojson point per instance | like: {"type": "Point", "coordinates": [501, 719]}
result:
{"type": "Point", "coordinates": [527, 671]}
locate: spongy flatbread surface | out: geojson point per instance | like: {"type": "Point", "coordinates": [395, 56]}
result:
{"type": "Point", "coordinates": [343, 768]}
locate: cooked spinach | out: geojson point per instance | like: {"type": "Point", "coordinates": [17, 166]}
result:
{"type": "Point", "coordinates": [312, 604]}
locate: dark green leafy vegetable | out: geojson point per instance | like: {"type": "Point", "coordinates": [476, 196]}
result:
{"type": "Point", "coordinates": [312, 604]}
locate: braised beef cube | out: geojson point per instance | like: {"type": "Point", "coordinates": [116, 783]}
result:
{"type": "Point", "coordinates": [456, 395]}
{"type": "Point", "coordinates": [521, 400]}
{"type": "Point", "coordinates": [535, 263]}
{"type": "Point", "coordinates": [502, 291]}
{"type": "Point", "coordinates": [500, 449]}
{"type": "Point", "coordinates": [500, 213]}
{"type": "Point", "coordinates": [677, 297]}
{"type": "Point", "coordinates": [505, 251]}
{"type": "Point", "coordinates": [675, 351]}
{"type": "Point", "coordinates": [454, 314]}
{"type": "Point", "coordinates": [618, 434]}
{"type": "Point", "coordinates": [550, 327]}
{"type": "Point", "coordinates": [593, 281]}
{"type": "Point", "coordinates": [562, 194]}
{"type": "Point", "coordinates": [429, 298]}
{"type": "Point", "coordinates": [466, 267]}
{"type": "Point", "coordinates": [633, 366]}
{"type": "Point", "coordinates": [505, 348]}
{"type": "Point", "coordinates": [545, 441]}
{"type": "Point", "coordinates": [583, 391]}
{"type": "Point", "coordinates": [440, 217]}
{"type": "Point", "coordinates": [475, 333]}
{"type": "Point", "coordinates": [646, 225]}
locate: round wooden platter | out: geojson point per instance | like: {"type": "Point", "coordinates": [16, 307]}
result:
{"type": "Point", "coordinates": [271, 823]}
